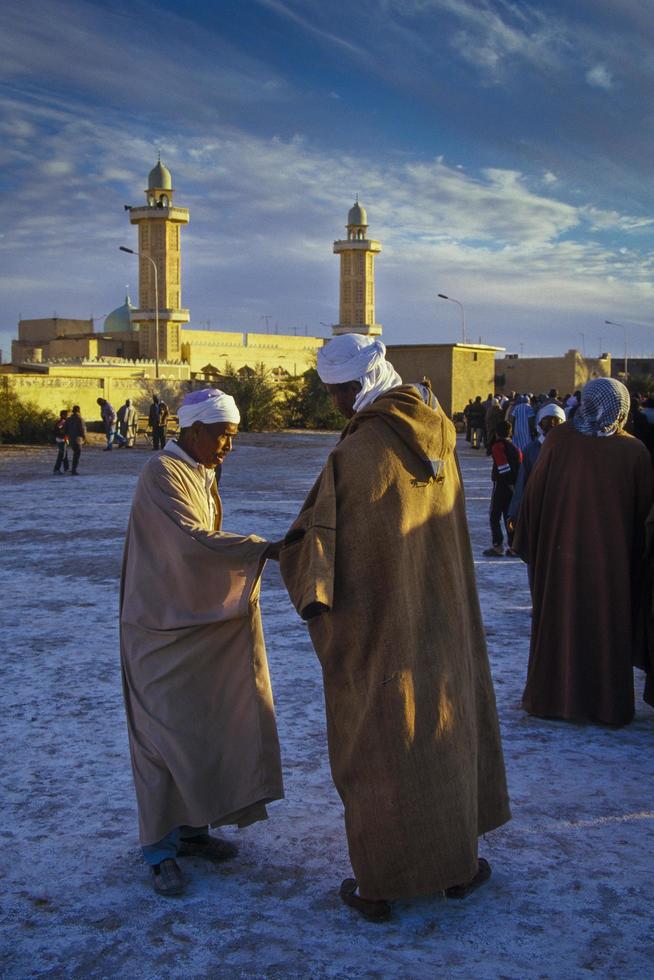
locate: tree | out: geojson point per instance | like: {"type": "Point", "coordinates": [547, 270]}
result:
{"type": "Point", "coordinates": [310, 406]}
{"type": "Point", "coordinates": [259, 399]}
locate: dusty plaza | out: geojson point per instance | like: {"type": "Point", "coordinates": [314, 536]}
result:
{"type": "Point", "coordinates": [571, 890]}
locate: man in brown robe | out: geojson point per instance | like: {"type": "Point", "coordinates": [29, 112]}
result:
{"type": "Point", "coordinates": [379, 563]}
{"type": "Point", "coordinates": [581, 528]}
{"type": "Point", "coordinates": [200, 715]}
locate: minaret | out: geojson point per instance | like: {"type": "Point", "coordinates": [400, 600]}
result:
{"type": "Point", "coordinates": [159, 223]}
{"type": "Point", "coordinates": [357, 303]}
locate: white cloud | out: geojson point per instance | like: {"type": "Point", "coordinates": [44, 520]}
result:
{"type": "Point", "coordinates": [600, 77]}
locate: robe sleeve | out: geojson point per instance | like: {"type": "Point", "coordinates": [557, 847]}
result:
{"type": "Point", "coordinates": [307, 557]}
{"type": "Point", "coordinates": [171, 497]}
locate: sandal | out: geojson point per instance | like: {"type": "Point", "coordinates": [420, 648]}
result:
{"type": "Point", "coordinates": [373, 910]}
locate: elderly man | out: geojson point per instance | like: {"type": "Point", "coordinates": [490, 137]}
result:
{"type": "Point", "coordinates": [379, 563]}
{"type": "Point", "coordinates": [127, 422]}
{"type": "Point", "coordinates": [200, 715]}
{"type": "Point", "coordinates": [581, 528]}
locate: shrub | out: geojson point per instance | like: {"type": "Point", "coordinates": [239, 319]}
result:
{"type": "Point", "coordinates": [23, 422]}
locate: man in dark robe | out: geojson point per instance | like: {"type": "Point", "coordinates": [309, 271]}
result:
{"type": "Point", "coordinates": [379, 563]}
{"type": "Point", "coordinates": [581, 528]}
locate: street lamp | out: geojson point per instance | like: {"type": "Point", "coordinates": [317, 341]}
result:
{"type": "Point", "coordinates": [133, 251]}
{"type": "Point", "coordinates": [463, 315]}
{"type": "Point", "coordinates": [612, 323]}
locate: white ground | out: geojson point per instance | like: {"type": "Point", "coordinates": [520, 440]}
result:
{"type": "Point", "coordinates": [573, 883]}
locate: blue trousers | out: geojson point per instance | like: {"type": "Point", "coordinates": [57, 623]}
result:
{"type": "Point", "coordinates": [167, 846]}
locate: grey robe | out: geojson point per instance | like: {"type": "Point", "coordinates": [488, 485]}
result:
{"type": "Point", "coordinates": [200, 714]}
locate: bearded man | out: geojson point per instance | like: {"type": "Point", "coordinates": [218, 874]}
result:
{"type": "Point", "coordinates": [200, 715]}
{"type": "Point", "coordinates": [379, 564]}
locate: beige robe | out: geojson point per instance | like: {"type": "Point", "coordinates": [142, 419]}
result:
{"type": "Point", "coordinates": [379, 562]}
{"type": "Point", "coordinates": [200, 714]}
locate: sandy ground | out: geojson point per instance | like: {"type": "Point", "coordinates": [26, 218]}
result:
{"type": "Point", "coordinates": [572, 886]}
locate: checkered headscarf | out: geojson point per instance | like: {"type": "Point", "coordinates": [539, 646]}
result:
{"type": "Point", "coordinates": [604, 408]}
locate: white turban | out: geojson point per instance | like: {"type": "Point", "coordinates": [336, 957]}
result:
{"type": "Point", "coordinates": [353, 357]}
{"type": "Point", "coordinates": [551, 409]}
{"type": "Point", "coordinates": [208, 405]}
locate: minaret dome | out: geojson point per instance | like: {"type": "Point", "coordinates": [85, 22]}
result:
{"type": "Point", "coordinates": [159, 178]}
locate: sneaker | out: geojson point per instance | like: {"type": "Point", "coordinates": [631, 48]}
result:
{"type": "Point", "coordinates": [207, 847]}
{"type": "Point", "coordinates": [167, 878]}
{"type": "Point", "coordinates": [495, 551]}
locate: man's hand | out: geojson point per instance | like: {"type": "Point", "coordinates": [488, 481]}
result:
{"type": "Point", "coordinates": [273, 549]}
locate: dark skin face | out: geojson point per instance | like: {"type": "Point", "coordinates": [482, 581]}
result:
{"type": "Point", "coordinates": [549, 421]}
{"type": "Point", "coordinates": [208, 444]}
{"type": "Point", "coordinates": [344, 396]}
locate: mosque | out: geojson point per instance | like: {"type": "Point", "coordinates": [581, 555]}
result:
{"type": "Point", "coordinates": [58, 361]}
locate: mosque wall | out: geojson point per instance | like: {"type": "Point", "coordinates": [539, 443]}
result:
{"type": "Point", "coordinates": [65, 387]}
{"type": "Point", "coordinates": [39, 331]}
{"type": "Point", "coordinates": [218, 348]}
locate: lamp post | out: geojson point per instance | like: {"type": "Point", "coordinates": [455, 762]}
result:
{"type": "Point", "coordinates": [463, 315]}
{"type": "Point", "coordinates": [612, 323]}
{"type": "Point", "coordinates": [133, 251]}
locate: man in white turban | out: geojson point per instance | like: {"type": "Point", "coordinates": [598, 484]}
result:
{"type": "Point", "coordinates": [379, 564]}
{"type": "Point", "coordinates": [202, 732]}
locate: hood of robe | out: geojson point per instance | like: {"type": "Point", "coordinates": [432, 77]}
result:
{"type": "Point", "coordinates": [425, 430]}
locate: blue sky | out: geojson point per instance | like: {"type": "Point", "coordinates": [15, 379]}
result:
{"type": "Point", "coordinates": [503, 151]}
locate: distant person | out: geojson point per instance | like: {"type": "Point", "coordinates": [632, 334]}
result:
{"type": "Point", "coordinates": [61, 440]}
{"type": "Point", "coordinates": [75, 431]}
{"type": "Point", "coordinates": [581, 529]}
{"type": "Point", "coordinates": [109, 422]}
{"type": "Point", "coordinates": [477, 417]}
{"type": "Point", "coordinates": [127, 422]}
{"type": "Point", "coordinates": [466, 420]}
{"type": "Point", "coordinates": [548, 417]}
{"type": "Point", "coordinates": [157, 420]}
{"type": "Point", "coordinates": [523, 422]}
{"type": "Point", "coordinates": [506, 464]}
{"type": "Point", "coordinates": [494, 415]}
{"type": "Point", "coordinates": [379, 564]}
{"type": "Point", "coordinates": [202, 732]}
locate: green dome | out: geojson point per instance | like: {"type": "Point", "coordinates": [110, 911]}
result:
{"type": "Point", "coordinates": [118, 321]}
{"type": "Point", "coordinates": [159, 178]}
{"type": "Point", "coordinates": [357, 215]}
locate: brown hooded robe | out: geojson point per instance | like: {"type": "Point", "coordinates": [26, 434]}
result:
{"type": "Point", "coordinates": [200, 714]}
{"type": "Point", "coordinates": [379, 562]}
{"type": "Point", "coordinates": [581, 528]}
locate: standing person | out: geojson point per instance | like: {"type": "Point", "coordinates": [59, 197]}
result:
{"type": "Point", "coordinates": [581, 528]}
{"type": "Point", "coordinates": [109, 421]}
{"type": "Point", "coordinates": [379, 563]}
{"type": "Point", "coordinates": [127, 422]}
{"type": "Point", "coordinates": [477, 418]}
{"type": "Point", "coordinates": [61, 440]}
{"type": "Point", "coordinates": [157, 419]}
{"type": "Point", "coordinates": [494, 415]}
{"type": "Point", "coordinates": [466, 420]}
{"type": "Point", "coordinates": [523, 422]}
{"type": "Point", "coordinates": [75, 431]}
{"type": "Point", "coordinates": [548, 417]}
{"type": "Point", "coordinates": [506, 464]}
{"type": "Point", "coordinates": [202, 732]}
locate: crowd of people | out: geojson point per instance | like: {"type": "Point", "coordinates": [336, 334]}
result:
{"type": "Point", "coordinates": [120, 429]}
{"type": "Point", "coordinates": [378, 564]}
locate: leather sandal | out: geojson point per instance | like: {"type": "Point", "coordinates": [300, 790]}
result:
{"type": "Point", "coordinates": [374, 911]}
{"type": "Point", "coordinates": [205, 846]}
{"type": "Point", "coordinates": [461, 891]}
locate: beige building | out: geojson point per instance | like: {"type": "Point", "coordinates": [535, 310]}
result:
{"type": "Point", "coordinates": [357, 281]}
{"type": "Point", "coordinates": [568, 373]}
{"type": "Point", "coordinates": [457, 372]}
